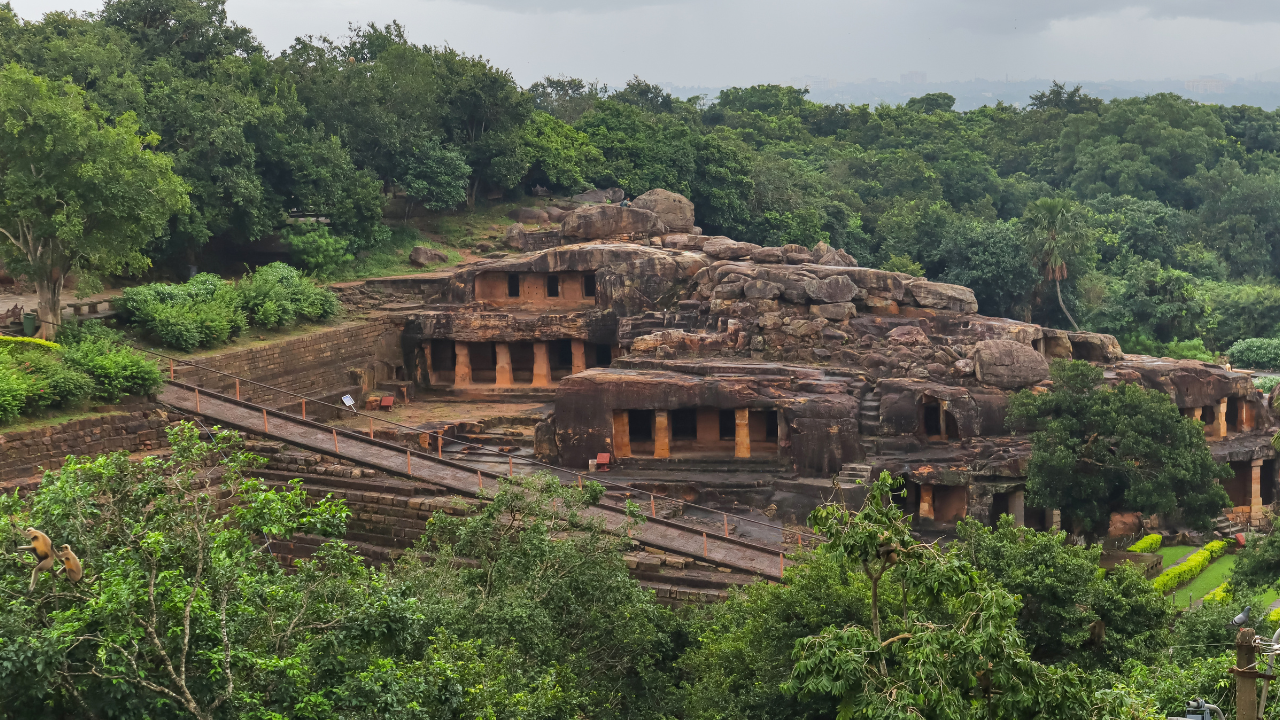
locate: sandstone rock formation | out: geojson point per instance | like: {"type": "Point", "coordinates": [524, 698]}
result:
{"type": "Point", "coordinates": [1009, 364]}
{"type": "Point", "coordinates": [421, 256]}
{"type": "Point", "coordinates": [675, 211]}
{"type": "Point", "coordinates": [597, 222]}
{"type": "Point", "coordinates": [612, 195]}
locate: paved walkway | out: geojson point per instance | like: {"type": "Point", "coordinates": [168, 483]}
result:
{"type": "Point", "coordinates": [460, 478]}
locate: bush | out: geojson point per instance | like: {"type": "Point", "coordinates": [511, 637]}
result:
{"type": "Point", "coordinates": [1220, 594]}
{"type": "Point", "coordinates": [315, 248]}
{"type": "Point", "coordinates": [116, 370]}
{"type": "Point", "coordinates": [14, 386]}
{"type": "Point", "coordinates": [50, 382]}
{"type": "Point", "coordinates": [1266, 384]}
{"type": "Point", "coordinates": [1185, 571]}
{"type": "Point", "coordinates": [1260, 353]}
{"type": "Point", "coordinates": [207, 310]}
{"type": "Point", "coordinates": [25, 342]}
{"type": "Point", "coordinates": [77, 331]}
{"type": "Point", "coordinates": [1178, 349]}
{"type": "Point", "coordinates": [1148, 544]}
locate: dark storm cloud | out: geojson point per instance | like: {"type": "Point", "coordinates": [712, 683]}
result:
{"type": "Point", "coordinates": [1008, 15]}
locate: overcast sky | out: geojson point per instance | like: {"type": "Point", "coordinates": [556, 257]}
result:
{"type": "Point", "coordinates": [740, 42]}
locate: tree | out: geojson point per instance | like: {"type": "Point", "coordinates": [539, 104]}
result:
{"type": "Point", "coordinates": [434, 175]}
{"type": "Point", "coordinates": [80, 192]}
{"type": "Point", "coordinates": [1070, 613]}
{"type": "Point", "coordinates": [1098, 450]}
{"type": "Point", "coordinates": [1055, 229]}
{"type": "Point", "coordinates": [1058, 97]}
{"type": "Point", "coordinates": [953, 649]}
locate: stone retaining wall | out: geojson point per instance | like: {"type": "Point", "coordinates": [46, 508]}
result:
{"type": "Point", "coordinates": [315, 365]}
{"type": "Point", "coordinates": [24, 453]}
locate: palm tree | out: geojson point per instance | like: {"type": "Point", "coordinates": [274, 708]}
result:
{"type": "Point", "coordinates": [1055, 229]}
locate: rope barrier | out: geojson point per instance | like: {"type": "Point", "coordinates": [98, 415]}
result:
{"type": "Point", "coordinates": [441, 438]}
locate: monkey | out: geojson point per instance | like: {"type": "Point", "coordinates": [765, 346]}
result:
{"type": "Point", "coordinates": [70, 565]}
{"type": "Point", "coordinates": [1097, 631]}
{"type": "Point", "coordinates": [889, 553]}
{"type": "Point", "coordinates": [43, 548]}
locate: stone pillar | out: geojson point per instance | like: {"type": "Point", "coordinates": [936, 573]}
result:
{"type": "Point", "coordinates": [942, 419]}
{"type": "Point", "coordinates": [1194, 413]}
{"type": "Point", "coordinates": [1017, 508]}
{"type": "Point", "coordinates": [661, 434]}
{"type": "Point", "coordinates": [1255, 491]}
{"type": "Point", "coordinates": [742, 433]}
{"type": "Point", "coordinates": [621, 434]}
{"type": "Point", "coordinates": [1055, 519]}
{"type": "Point", "coordinates": [541, 365]}
{"type": "Point", "coordinates": [579, 356]}
{"type": "Point", "coordinates": [1246, 415]}
{"type": "Point", "coordinates": [783, 434]}
{"type": "Point", "coordinates": [426, 360]}
{"type": "Point", "coordinates": [926, 502]}
{"type": "Point", "coordinates": [502, 368]}
{"type": "Point", "coordinates": [462, 366]}
{"type": "Point", "coordinates": [1220, 422]}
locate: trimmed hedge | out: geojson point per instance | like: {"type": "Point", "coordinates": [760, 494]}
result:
{"type": "Point", "coordinates": [1258, 353]}
{"type": "Point", "coordinates": [1220, 595]}
{"type": "Point", "coordinates": [1274, 615]}
{"type": "Point", "coordinates": [1148, 544]}
{"type": "Point", "coordinates": [26, 342]}
{"type": "Point", "coordinates": [1187, 570]}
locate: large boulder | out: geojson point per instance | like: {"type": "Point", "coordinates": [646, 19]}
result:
{"type": "Point", "coordinates": [762, 290]}
{"type": "Point", "coordinates": [722, 248]}
{"type": "Point", "coordinates": [836, 289]}
{"type": "Point", "coordinates": [422, 256]}
{"type": "Point", "coordinates": [1009, 364]}
{"type": "Point", "coordinates": [599, 196]}
{"type": "Point", "coordinates": [675, 211]}
{"type": "Point", "coordinates": [596, 222]}
{"type": "Point", "coordinates": [837, 258]}
{"type": "Point", "coordinates": [530, 216]}
{"type": "Point", "coordinates": [768, 255]}
{"type": "Point", "coordinates": [943, 296]}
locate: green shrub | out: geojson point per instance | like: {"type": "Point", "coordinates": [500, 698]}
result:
{"type": "Point", "coordinates": [26, 342]}
{"type": "Point", "coordinates": [1178, 349]}
{"type": "Point", "coordinates": [77, 331]}
{"type": "Point", "coordinates": [1266, 384]}
{"type": "Point", "coordinates": [207, 310]}
{"type": "Point", "coordinates": [1148, 544]}
{"type": "Point", "coordinates": [14, 386]}
{"type": "Point", "coordinates": [1220, 594]}
{"type": "Point", "coordinates": [1260, 353]}
{"type": "Point", "coordinates": [1188, 569]}
{"type": "Point", "coordinates": [116, 370]}
{"type": "Point", "coordinates": [51, 384]}
{"type": "Point", "coordinates": [314, 247]}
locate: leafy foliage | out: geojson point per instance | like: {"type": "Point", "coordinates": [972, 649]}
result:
{"type": "Point", "coordinates": [1098, 450]}
{"type": "Point", "coordinates": [1260, 353]}
{"type": "Point", "coordinates": [1148, 544]}
{"type": "Point", "coordinates": [1186, 570]}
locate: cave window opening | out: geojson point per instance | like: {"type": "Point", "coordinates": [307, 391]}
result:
{"type": "Point", "coordinates": [684, 424]}
{"type": "Point", "coordinates": [513, 285]}
{"type": "Point", "coordinates": [589, 285]}
{"type": "Point", "coordinates": [553, 286]}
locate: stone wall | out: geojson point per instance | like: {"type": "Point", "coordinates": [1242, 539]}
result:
{"type": "Point", "coordinates": [349, 358]}
{"type": "Point", "coordinates": [23, 453]}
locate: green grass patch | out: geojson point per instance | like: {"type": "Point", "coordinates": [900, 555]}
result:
{"type": "Point", "coordinates": [392, 258]}
{"type": "Point", "coordinates": [1174, 553]}
{"type": "Point", "coordinates": [53, 418]}
{"type": "Point", "coordinates": [1213, 576]}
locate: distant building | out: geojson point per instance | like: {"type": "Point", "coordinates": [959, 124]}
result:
{"type": "Point", "coordinates": [1207, 85]}
{"type": "Point", "coordinates": [914, 77]}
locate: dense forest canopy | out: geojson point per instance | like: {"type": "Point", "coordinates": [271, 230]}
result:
{"type": "Point", "coordinates": [1177, 202]}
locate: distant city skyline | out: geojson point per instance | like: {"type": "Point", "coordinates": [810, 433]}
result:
{"type": "Point", "coordinates": [716, 43]}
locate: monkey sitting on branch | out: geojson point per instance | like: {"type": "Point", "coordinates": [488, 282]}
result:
{"type": "Point", "coordinates": [47, 557]}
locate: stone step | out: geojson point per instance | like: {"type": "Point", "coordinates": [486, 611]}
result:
{"type": "Point", "coordinates": [488, 439]}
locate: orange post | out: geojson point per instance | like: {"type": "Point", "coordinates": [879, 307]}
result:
{"type": "Point", "coordinates": [237, 388]}
{"type": "Point", "coordinates": [781, 567]}
{"type": "Point", "coordinates": [197, 399]}
{"type": "Point", "coordinates": [726, 525]}
{"type": "Point", "coordinates": [335, 440]}
{"type": "Point", "coordinates": [440, 446]}
{"type": "Point", "coordinates": [304, 408]}
{"type": "Point", "coordinates": [370, 428]}
{"type": "Point", "coordinates": [653, 506]}
{"type": "Point", "coordinates": [265, 426]}
{"type": "Point", "coordinates": [480, 479]}
{"type": "Point", "coordinates": [511, 467]}
{"type": "Point", "coordinates": [170, 369]}
{"type": "Point", "coordinates": [704, 545]}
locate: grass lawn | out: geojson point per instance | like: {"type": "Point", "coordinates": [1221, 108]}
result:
{"type": "Point", "coordinates": [1174, 553]}
{"type": "Point", "coordinates": [1212, 577]}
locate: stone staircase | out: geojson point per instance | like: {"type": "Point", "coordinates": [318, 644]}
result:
{"type": "Point", "coordinates": [855, 474]}
{"type": "Point", "coordinates": [1228, 528]}
{"type": "Point", "coordinates": [869, 413]}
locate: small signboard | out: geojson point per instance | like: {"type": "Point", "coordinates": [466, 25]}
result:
{"type": "Point", "coordinates": [349, 401]}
